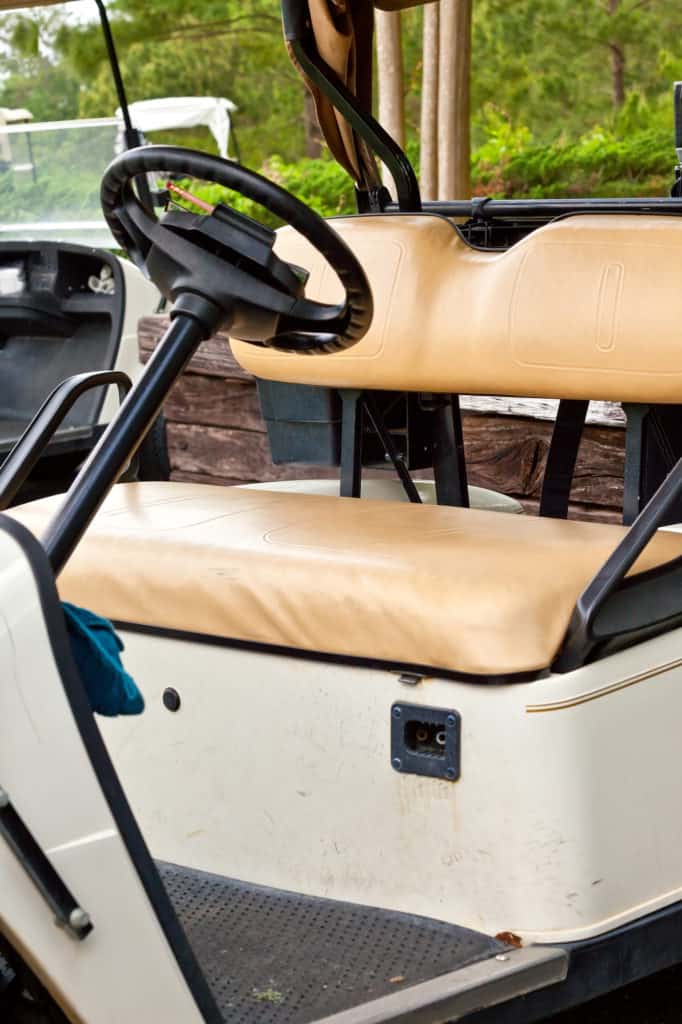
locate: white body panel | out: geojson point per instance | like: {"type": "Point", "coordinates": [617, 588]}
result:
{"type": "Point", "coordinates": [141, 299]}
{"type": "Point", "coordinates": [124, 970]}
{"type": "Point", "coordinates": [564, 824]}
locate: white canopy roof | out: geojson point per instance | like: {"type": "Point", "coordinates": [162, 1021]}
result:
{"type": "Point", "coordinates": [184, 112]}
{"type": "Point", "coordinates": [12, 115]}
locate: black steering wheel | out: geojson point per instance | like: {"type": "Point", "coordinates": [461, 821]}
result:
{"type": "Point", "coordinates": [225, 259]}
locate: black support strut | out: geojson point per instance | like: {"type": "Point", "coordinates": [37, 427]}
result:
{"type": "Point", "coordinates": [67, 912]}
{"type": "Point", "coordinates": [18, 465]}
{"type": "Point", "coordinates": [351, 443]}
{"type": "Point", "coordinates": [561, 458]}
{"type": "Point", "coordinates": [122, 437]}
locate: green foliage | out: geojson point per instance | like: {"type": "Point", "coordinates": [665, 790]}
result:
{"type": "Point", "coordinates": [25, 37]}
{"type": "Point", "coordinates": [321, 184]}
{"type": "Point", "coordinates": [544, 118]}
{"type": "Point", "coordinates": [32, 76]}
{"type": "Point", "coordinates": [65, 181]}
{"type": "Point", "coordinates": [549, 64]}
{"type": "Point", "coordinates": [232, 48]}
{"type": "Point", "coordinates": [599, 164]}
{"type": "Point", "coordinates": [48, 90]}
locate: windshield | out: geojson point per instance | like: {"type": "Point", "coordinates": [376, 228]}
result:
{"type": "Point", "coordinates": [50, 178]}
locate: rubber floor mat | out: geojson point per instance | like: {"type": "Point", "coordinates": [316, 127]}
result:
{"type": "Point", "coordinates": [275, 957]}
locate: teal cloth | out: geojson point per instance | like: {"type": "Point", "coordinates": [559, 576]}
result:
{"type": "Point", "coordinates": [96, 649]}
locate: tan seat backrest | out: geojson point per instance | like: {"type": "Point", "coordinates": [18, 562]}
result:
{"type": "Point", "coordinates": [585, 307]}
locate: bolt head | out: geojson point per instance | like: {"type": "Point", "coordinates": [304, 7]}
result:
{"type": "Point", "coordinates": [397, 712]}
{"type": "Point", "coordinates": [79, 918]}
{"type": "Point", "coordinates": [450, 720]}
{"type": "Point", "coordinates": [171, 699]}
{"type": "Point", "coordinates": [397, 763]}
{"type": "Point", "coordinates": [449, 773]}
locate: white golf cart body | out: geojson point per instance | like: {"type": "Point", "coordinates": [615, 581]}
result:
{"type": "Point", "coordinates": [397, 763]}
{"type": "Point", "coordinates": [289, 646]}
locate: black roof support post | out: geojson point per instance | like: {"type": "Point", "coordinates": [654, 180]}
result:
{"type": "Point", "coordinates": [133, 137]}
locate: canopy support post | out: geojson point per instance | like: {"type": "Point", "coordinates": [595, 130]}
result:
{"type": "Point", "coordinates": [133, 138]}
{"type": "Point", "coordinates": [131, 134]}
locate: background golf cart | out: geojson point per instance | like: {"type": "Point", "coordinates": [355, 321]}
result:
{"type": "Point", "coordinates": [68, 303]}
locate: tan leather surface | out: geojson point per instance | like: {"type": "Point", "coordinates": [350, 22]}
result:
{"type": "Point", "coordinates": [343, 34]}
{"type": "Point", "coordinates": [586, 307]}
{"type": "Point", "coordinates": [454, 589]}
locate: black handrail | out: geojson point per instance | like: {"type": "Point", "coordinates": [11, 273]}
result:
{"type": "Point", "coordinates": [32, 443]}
{"type": "Point", "coordinates": [582, 636]}
{"type": "Point", "coordinates": [304, 50]}
{"type": "Point", "coordinates": [122, 437]}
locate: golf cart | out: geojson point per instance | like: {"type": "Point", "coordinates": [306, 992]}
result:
{"type": "Point", "coordinates": [397, 763]}
{"type": "Point", "coordinates": [68, 303]}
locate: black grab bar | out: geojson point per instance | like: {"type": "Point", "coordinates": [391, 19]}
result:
{"type": "Point", "coordinates": [33, 442]}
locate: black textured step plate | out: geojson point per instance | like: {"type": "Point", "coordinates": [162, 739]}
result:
{"type": "Point", "coordinates": [275, 957]}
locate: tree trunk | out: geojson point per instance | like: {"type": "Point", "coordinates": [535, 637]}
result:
{"type": "Point", "coordinates": [618, 74]}
{"type": "Point", "coordinates": [428, 131]}
{"type": "Point", "coordinates": [390, 76]}
{"type": "Point", "coordinates": [313, 136]}
{"type": "Point", "coordinates": [454, 68]}
{"type": "Point", "coordinates": [617, 63]}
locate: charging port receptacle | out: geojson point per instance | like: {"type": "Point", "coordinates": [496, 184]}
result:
{"type": "Point", "coordinates": [425, 741]}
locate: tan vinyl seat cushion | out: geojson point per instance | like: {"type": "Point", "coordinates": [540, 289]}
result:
{"type": "Point", "coordinates": [586, 307]}
{"type": "Point", "coordinates": [450, 589]}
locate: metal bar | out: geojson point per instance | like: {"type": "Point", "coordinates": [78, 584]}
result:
{"type": "Point", "coordinates": [455, 995]}
{"type": "Point", "coordinates": [32, 443]}
{"type": "Point", "coordinates": [580, 638]}
{"type": "Point", "coordinates": [661, 436]}
{"type": "Point", "coordinates": [235, 143]}
{"type": "Point", "coordinates": [636, 416]}
{"type": "Point", "coordinates": [396, 457]}
{"type": "Point", "coordinates": [133, 137]}
{"type": "Point", "coordinates": [449, 464]}
{"type": "Point", "coordinates": [351, 444]}
{"type": "Point", "coordinates": [662, 448]}
{"type": "Point", "coordinates": [379, 141]}
{"type": "Point", "coordinates": [36, 127]}
{"type": "Point", "coordinates": [68, 913]}
{"type": "Point", "coordinates": [561, 458]}
{"type": "Point", "coordinates": [115, 71]}
{"type": "Point", "coordinates": [29, 146]}
{"type": "Point", "coordinates": [122, 438]}
{"type": "Point", "coordinates": [543, 208]}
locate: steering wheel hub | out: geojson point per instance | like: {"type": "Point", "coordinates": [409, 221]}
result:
{"type": "Point", "coordinates": [220, 266]}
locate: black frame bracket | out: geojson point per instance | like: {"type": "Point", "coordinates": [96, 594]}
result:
{"type": "Point", "coordinates": [69, 914]}
{"type": "Point", "coordinates": [17, 467]}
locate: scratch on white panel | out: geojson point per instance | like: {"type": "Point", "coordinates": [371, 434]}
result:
{"type": "Point", "coordinates": [92, 837]}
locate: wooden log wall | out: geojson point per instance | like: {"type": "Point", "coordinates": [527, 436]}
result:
{"type": "Point", "coordinates": [215, 431]}
{"type": "Point", "coordinates": [216, 435]}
